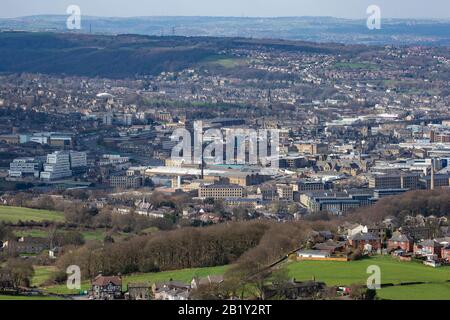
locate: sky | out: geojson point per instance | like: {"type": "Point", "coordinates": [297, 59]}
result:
{"type": "Point", "coordinates": [354, 9]}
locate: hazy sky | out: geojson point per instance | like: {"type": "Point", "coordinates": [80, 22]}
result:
{"type": "Point", "coordinates": [337, 8]}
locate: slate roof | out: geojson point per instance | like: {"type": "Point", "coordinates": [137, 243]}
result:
{"type": "Point", "coordinates": [104, 281]}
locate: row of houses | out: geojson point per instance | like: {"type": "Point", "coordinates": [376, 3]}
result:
{"type": "Point", "coordinates": [372, 240]}
{"type": "Point", "coordinates": [110, 288]}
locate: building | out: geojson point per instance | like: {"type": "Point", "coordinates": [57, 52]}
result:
{"type": "Point", "coordinates": [78, 159]}
{"type": "Point", "coordinates": [138, 291]}
{"type": "Point", "coordinates": [206, 281]}
{"type": "Point", "coordinates": [106, 288]}
{"type": "Point", "coordinates": [57, 166]}
{"type": "Point", "coordinates": [394, 181]}
{"type": "Point", "coordinates": [285, 192]}
{"type": "Point", "coordinates": [334, 202]}
{"type": "Point", "coordinates": [313, 254]}
{"type": "Point", "coordinates": [439, 137]}
{"type": "Point", "coordinates": [22, 167]}
{"type": "Point", "coordinates": [440, 181]}
{"type": "Point", "coordinates": [312, 148]}
{"type": "Point", "coordinates": [26, 245]}
{"type": "Point", "coordinates": [126, 182]}
{"type": "Point", "coordinates": [60, 141]}
{"type": "Point", "coordinates": [10, 138]}
{"type": "Point", "coordinates": [428, 248]}
{"type": "Point", "coordinates": [245, 179]}
{"type": "Point", "coordinates": [294, 290]}
{"type": "Point", "coordinates": [365, 242]}
{"type": "Point", "coordinates": [241, 202]}
{"type": "Point", "coordinates": [220, 191]}
{"type": "Point", "coordinates": [383, 193]}
{"type": "Point", "coordinates": [171, 290]}
{"type": "Point", "coordinates": [400, 241]}
{"type": "Point", "coordinates": [293, 162]}
{"type": "Point", "coordinates": [112, 159]}
{"type": "Point", "coordinates": [445, 253]}
{"type": "Point", "coordinates": [305, 186]}
{"type": "Point", "coordinates": [268, 192]}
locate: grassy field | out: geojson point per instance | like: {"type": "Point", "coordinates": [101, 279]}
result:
{"type": "Point", "coordinates": [14, 214]}
{"type": "Point", "coordinates": [42, 274]}
{"type": "Point", "coordinates": [2, 297]}
{"type": "Point", "coordinates": [184, 275]}
{"type": "Point", "coordinates": [434, 291]}
{"type": "Point", "coordinates": [346, 273]}
{"type": "Point", "coordinates": [392, 271]}
{"type": "Point", "coordinates": [226, 62]}
{"type": "Point", "coordinates": [98, 235]}
{"type": "Point", "coordinates": [332, 273]}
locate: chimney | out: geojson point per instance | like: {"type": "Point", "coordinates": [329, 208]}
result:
{"type": "Point", "coordinates": [432, 175]}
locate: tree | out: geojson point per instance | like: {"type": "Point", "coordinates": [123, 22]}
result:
{"type": "Point", "coordinates": [360, 292]}
{"type": "Point", "coordinates": [5, 233]}
{"type": "Point", "coordinates": [19, 271]}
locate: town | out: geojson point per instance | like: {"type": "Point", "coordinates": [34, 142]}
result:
{"type": "Point", "coordinates": [359, 174]}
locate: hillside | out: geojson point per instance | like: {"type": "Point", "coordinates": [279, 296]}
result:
{"type": "Point", "coordinates": [124, 56]}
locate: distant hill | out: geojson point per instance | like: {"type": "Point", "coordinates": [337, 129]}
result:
{"type": "Point", "coordinates": [125, 55]}
{"type": "Point", "coordinates": [317, 29]}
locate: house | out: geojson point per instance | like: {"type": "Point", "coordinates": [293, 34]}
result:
{"type": "Point", "coordinates": [294, 290]}
{"type": "Point", "coordinates": [400, 241]}
{"type": "Point", "coordinates": [206, 281]}
{"type": "Point", "coordinates": [428, 248]}
{"type": "Point", "coordinates": [356, 229]}
{"type": "Point", "coordinates": [377, 230]}
{"type": "Point", "coordinates": [445, 253]}
{"type": "Point", "coordinates": [143, 207]}
{"type": "Point", "coordinates": [106, 288]}
{"type": "Point", "coordinates": [54, 252]}
{"type": "Point", "coordinates": [171, 290]}
{"type": "Point", "coordinates": [331, 246]}
{"type": "Point", "coordinates": [6, 282]}
{"type": "Point", "coordinates": [367, 242]}
{"type": "Point", "coordinates": [138, 291]}
{"type": "Point", "coordinates": [26, 245]}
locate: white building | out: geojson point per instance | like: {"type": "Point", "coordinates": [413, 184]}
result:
{"type": "Point", "coordinates": [313, 254]}
{"type": "Point", "coordinates": [24, 166]}
{"type": "Point", "coordinates": [57, 166]}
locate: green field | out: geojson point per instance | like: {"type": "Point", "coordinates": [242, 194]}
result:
{"type": "Point", "coordinates": [3, 297]}
{"type": "Point", "coordinates": [15, 214]}
{"type": "Point", "coordinates": [184, 275]}
{"type": "Point", "coordinates": [98, 234]}
{"type": "Point", "coordinates": [226, 62]}
{"type": "Point", "coordinates": [392, 271]}
{"type": "Point", "coordinates": [41, 275]}
{"type": "Point", "coordinates": [435, 291]}
{"type": "Point", "coordinates": [346, 273]}
{"type": "Point", "coordinates": [330, 272]}
{"type": "Point", "coordinates": [36, 233]}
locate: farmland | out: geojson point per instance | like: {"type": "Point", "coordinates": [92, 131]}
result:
{"type": "Point", "coordinates": [332, 273]}
{"type": "Point", "coordinates": [392, 272]}
{"type": "Point", "coordinates": [3, 297]}
{"type": "Point", "coordinates": [347, 273]}
{"type": "Point", "coordinates": [16, 214]}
